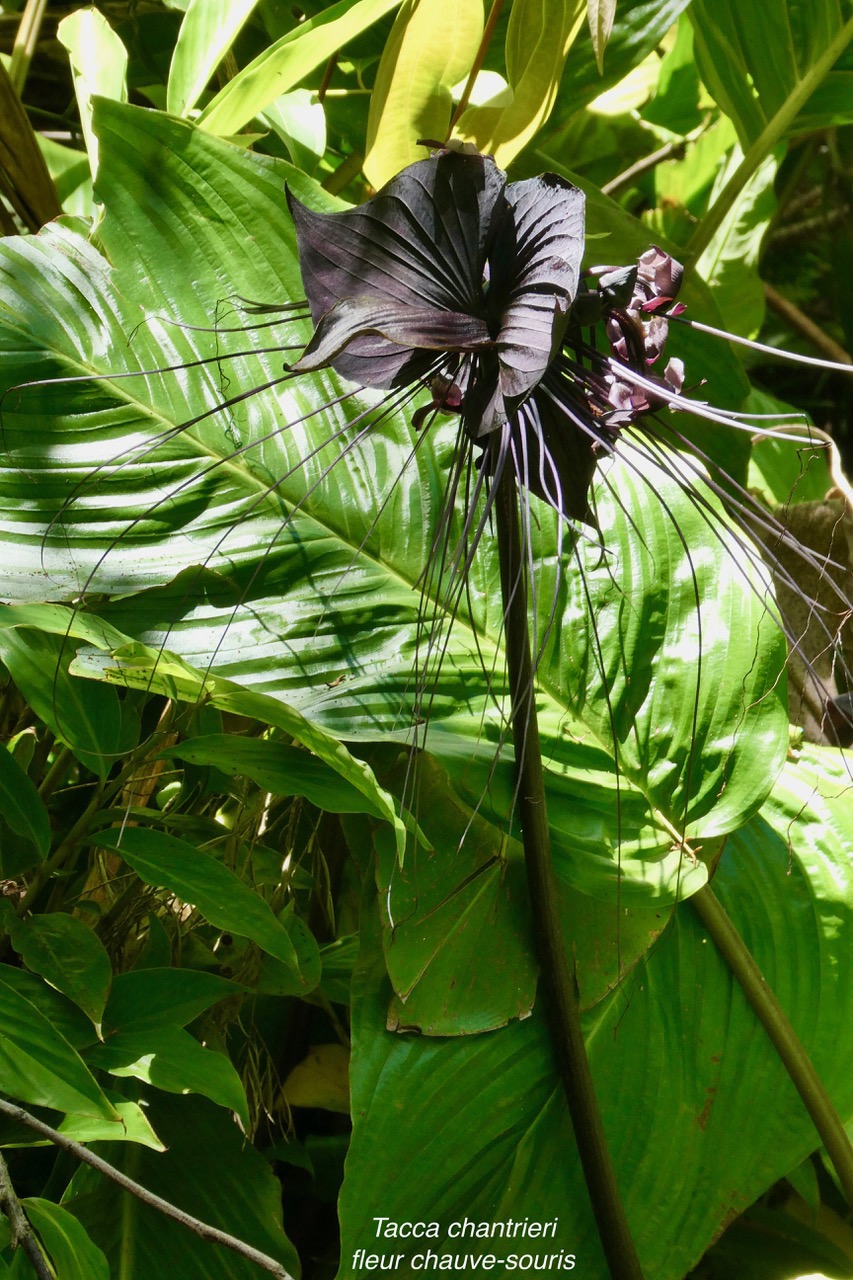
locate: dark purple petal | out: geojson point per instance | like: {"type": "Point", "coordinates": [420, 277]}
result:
{"type": "Point", "coordinates": [383, 330]}
{"type": "Point", "coordinates": [420, 241]}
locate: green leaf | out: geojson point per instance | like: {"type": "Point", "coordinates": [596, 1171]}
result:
{"type": "Point", "coordinates": [208, 31]}
{"type": "Point", "coordinates": [756, 62]}
{"type": "Point", "coordinates": [98, 67]}
{"type": "Point", "coordinates": [73, 1253]}
{"type": "Point", "coordinates": [82, 715]}
{"type": "Point", "coordinates": [21, 804]}
{"type": "Point", "coordinates": [278, 768]}
{"type": "Point", "coordinates": [209, 1170]}
{"type": "Point", "coordinates": [538, 40]}
{"type": "Point", "coordinates": [281, 66]}
{"type": "Point", "coordinates": [135, 1126]}
{"type": "Point", "coordinates": [37, 1064]}
{"type": "Point", "coordinates": [69, 956]}
{"type": "Point", "coordinates": [729, 264]}
{"type": "Point", "coordinates": [197, 878]}
{"type": "Point", "coordinates": [432, 45]}
{"type": "Point", "coordinates": [149, 999]}
{"type": "Point", "coordinates": [171, 1059]}
{"type": "Point", "coordinates": [600, 15]}
{"type": "Point", "coordinates": [487, 1135]}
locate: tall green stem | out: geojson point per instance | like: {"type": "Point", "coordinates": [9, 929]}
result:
{"type": "Point", "coordinates": [785, 1040]}
{"type": "Point", "coordinates": [557, 979]}
{"type": "Point", "coordinates": [772, 132]}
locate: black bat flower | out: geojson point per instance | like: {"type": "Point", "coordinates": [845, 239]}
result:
{"type": "Point", "coordinates": [470, 285]}
{"type": "Point", "coordinates": [455, 280]}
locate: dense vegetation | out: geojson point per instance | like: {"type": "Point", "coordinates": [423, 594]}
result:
{"type": "Point", "coordinates": [256, 952]}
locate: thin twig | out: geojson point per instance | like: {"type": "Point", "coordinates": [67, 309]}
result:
{"type": "Point", "coordinates": [785, 1040]}
{"type": "Point", "coordinates": [797, 320]}
{"type": "Point", "coordinates": [558, 980]}
{"type": "Point", "coordinates": [672, 150]}
{"type": "Point", "coordinates": [199, 1228]}
{"type": "Point", "coordinates": [477, 66]}
{"type": "Point", "coordinates": [22, 1232]}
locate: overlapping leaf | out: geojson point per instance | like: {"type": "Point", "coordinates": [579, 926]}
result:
{"type": "Point", "coordinates": [698, 1112]}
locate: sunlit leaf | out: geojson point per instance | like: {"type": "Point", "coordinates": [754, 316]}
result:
{"type": "Point", "coordinates": [98, 67]}
{"type": "Point", "coordinates": [207, 33]}
{"type": "Point", "coordinates": [432, 45]}
{"type": "Point", "coordinates": [73, 1253]}
{"type": "Point", "coordinates": [289, 60]}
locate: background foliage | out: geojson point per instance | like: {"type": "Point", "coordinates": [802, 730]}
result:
{"type": "Point", "coordinates": [225, 964]}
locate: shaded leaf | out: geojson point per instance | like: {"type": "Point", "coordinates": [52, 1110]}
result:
{"type": "Point", "coordinates": [197, 878]}
{"type": "Point", "coordinates": [21, 805]}
{"type": "Point", "coordinates": [171, 1059]}
{"type": "Point", "coordinates": [149, 999]}
{"type": "Point", "coordinates": [320, 1080]}
{"type": "Point", "coordinates": [280, 769]}
{"type": "Point", "coordinates": [209, 1170]}
{"type": "Point", "coordinates": [82, 715]}
{"type": "Point", "coordinates": [38, 1065]}
{"type": "Point", "coordinates": [69, 956]}
{"type": "Point", "coordinates": [73, 1253]}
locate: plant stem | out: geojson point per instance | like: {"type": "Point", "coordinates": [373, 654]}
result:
{"type": "Point", "coordinates": [202, 1229]}
{"type": "Point", "coordinates": [558, 980]}
{"type": "Point", "coordinates": [22, 1232]}
{"type": "Point", "coordinates": [785, 1040]}
{"type": "Point", "coordinates": [772, 132]}
{"type": "Point", "coordinates": [477, 66]}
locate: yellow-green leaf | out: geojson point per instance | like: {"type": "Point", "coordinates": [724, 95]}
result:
{"type": "Point", "coordinates": [208, 31]}
{"type": "Point", "coordinates": [432, 45]}
{"type": "Point", "coordinates": [281, 66]}
{"type": "Point", "coordinates": [538, 40]}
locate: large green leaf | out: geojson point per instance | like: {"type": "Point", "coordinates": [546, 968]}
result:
{"type": "Point", "coordinates": [698, 1112]}
{"type": "Point", "coordinates": [755, 59]}
{"type": "Point", "coordinates": [298, 583]}
{"type": "Point", "coordinates": [72, 1252]}
{"type": "Point", "coordinates": [68, 955]}
{"type": "Point", "coordinates": [21, 805]}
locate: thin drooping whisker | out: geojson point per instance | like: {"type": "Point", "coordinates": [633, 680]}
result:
{"type": "Point", "coordinates": [726, 417]}
{"type": "Point", "coordinates": [745, 507]}
{"type": "Point", "coordinates": [300, 309]}
{"type": "Point", "coordinates": [764, 557]}
{"type": "Point", "coordinates": [794, 357]}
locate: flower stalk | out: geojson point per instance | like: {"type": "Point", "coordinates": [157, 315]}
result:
{"type": "Point", "coordinates": [557, 977]}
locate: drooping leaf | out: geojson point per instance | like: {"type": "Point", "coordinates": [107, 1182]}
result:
{"type": "Point", "coordinates": [98, 66]}
{"type": "Point", "coordinates": [85, 717]}
{"type": "Point", "coordinates": [600, 15]}
{"type": "Point", "coordinates": [539, 37]}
